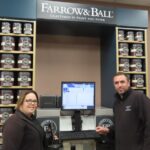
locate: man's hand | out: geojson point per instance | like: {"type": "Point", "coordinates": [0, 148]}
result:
{"type": "Point", "coordinates": [102, 130]}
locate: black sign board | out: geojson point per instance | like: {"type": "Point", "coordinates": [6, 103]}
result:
{"type": "Point", "coordinates": [52, 10]}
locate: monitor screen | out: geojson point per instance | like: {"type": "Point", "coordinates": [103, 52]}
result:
{"type": "Point", "coordinates": [78, 95]}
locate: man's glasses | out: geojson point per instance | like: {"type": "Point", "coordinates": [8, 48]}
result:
{"type": "Point", "coordinates": [31, 101]}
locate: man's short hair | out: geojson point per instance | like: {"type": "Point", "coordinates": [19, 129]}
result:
{"type": "Point", "coordinates": [122, 73]}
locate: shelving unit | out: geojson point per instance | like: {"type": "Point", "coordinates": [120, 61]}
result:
{"type": "Point", "coordinates": [131, 56]}
{"type": "Point", "coordinates": [17, 63]}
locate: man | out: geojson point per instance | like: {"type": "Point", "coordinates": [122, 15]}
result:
{"type": "Point", "coordinates": [131, 117]}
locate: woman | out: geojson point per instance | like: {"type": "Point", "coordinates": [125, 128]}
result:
{"type": "Point", "coordinates": [22, 131]}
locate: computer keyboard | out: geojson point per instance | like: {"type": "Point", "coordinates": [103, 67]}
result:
{"type": "Point", "coordinates": [76, 135]}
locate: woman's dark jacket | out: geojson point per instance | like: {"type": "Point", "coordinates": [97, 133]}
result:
{"type": "Point", "coordinates": [23, 133]}
{"type": "Point", "coordinates": [132, 121]}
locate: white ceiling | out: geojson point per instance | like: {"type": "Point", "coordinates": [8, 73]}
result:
{"type": "Point", "coordinates": [130, 2]}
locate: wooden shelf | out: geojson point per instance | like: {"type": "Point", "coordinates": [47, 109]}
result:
{"type": "Point", "coordinates": [16, 87]}
{"type": "Point", "coordinates": [16, 52]}
{"type": "Point", "coordinates": [14, 34]}
{"type": "Point", "coordinates": [127, 41]}
{"type": "Point", "coordinates": [15, 69]}
{"type": "Point", "coordinates": [125, 49]}
{"type": "Point", "coordinates": [132, 57]}
{"type": "Point", "coordinates": [7, 105]}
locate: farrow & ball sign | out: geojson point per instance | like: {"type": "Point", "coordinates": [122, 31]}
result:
{"type": "Point", "coordinates": [52, 10]}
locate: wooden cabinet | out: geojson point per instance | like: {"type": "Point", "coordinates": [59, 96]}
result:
{"type": "Point", "coordinates": [131, 56]}
{"type": "Point", "coordinates": [123, 50]}
{"type": "Point", "coordinates": [17, 62]}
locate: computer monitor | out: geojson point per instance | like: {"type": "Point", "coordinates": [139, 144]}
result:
{"type": "Point", "coordinates": [78, 95]}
